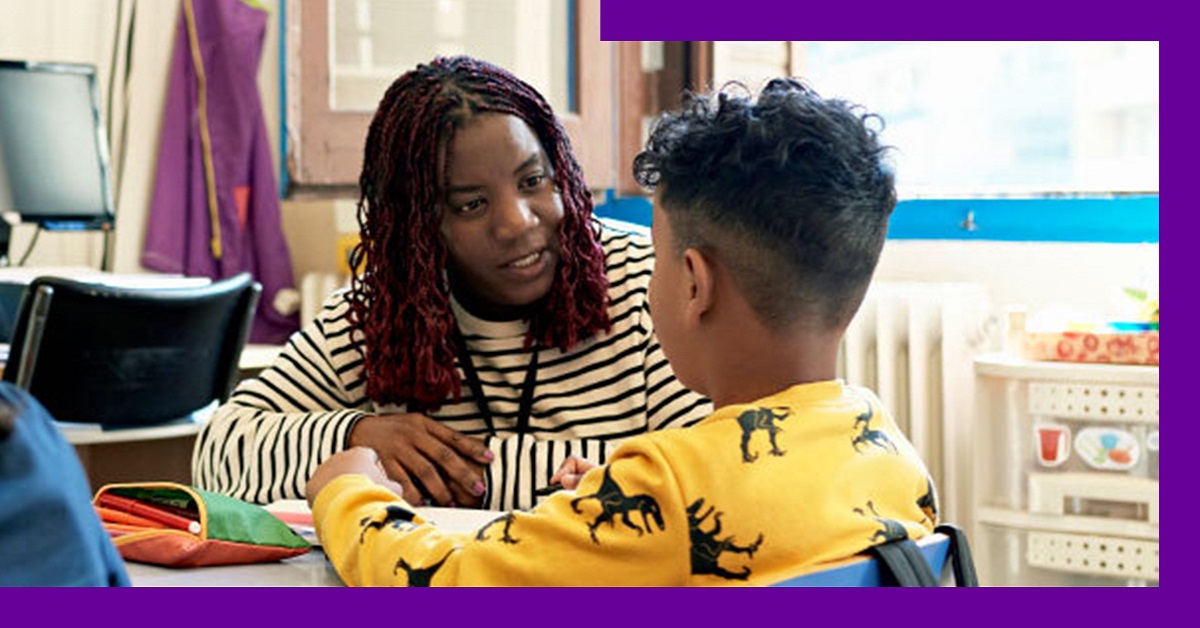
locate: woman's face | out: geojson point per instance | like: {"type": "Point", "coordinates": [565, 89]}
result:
{"type": "Point", "coordinates": [500, 214]}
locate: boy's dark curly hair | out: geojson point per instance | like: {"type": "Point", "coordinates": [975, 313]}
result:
{"type": "Point", "coordinates": [400, 302]}
{"type": "Point", "coordinates": [791, 191]}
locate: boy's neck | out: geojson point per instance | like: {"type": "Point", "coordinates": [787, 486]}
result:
{"type": "Point", "coordinates": [758, 364]}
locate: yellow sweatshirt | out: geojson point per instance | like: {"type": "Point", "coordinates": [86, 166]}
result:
{"type": "Point", "coordinates": [753, 494]}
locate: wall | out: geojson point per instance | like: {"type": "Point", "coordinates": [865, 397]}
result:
{"type": "Point", "coordinates": [82, 31]}
{"type": "Point", "coordinates": [1035, 274]}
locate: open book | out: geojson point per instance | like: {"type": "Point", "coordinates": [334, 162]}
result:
{"type": "Point", "coordinates": [296, 514]}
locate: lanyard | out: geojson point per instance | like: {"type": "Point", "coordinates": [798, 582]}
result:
{"type": "Point", "coordinates": [481, 400]}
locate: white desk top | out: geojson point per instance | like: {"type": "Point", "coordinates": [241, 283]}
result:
{"type": "Point", "coordinates": [26, 274]}
{"type": "Point", "coordinates": [256, 357]}
{"type": "Point", "coordinates": [309, 570]}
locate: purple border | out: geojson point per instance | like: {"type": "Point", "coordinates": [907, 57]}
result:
{"type": "Point", "coordinates": [706, 19]}
{"type": "Point", "coordinates": [669, 20]}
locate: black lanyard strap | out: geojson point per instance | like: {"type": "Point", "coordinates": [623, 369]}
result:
{"type": "Point", "coordinates": [476, 386]}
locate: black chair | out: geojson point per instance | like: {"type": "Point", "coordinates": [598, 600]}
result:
{"type": "Point", "coordinates": [10, 304]}
{"type": "Point", "coordinates": [125, 356]}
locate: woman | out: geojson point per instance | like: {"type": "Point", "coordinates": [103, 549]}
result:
{"type": "Point", "coordinates": [493, 332]}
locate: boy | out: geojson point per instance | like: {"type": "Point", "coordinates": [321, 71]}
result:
{"type": "Point", "coordinates": [769, 217]}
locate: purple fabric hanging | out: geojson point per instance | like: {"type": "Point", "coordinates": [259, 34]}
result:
{"type": "Point", "coordinates": [179, 229]}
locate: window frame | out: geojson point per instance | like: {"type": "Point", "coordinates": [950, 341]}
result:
{"type": "Point", "coordinates": [323, 147]}
{"type": "Point", "coordinates": [1051, 217]}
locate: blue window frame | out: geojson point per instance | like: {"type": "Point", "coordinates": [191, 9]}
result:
{"type": "Point", "coordinates": [1009, 141]}
{"type": "Point", "coordinates": [1117, 218]}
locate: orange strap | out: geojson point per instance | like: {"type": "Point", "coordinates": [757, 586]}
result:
{"type": "Point", "coordinates": [210, 183]}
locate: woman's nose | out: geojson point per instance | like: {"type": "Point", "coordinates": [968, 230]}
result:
{"type": "Point", "coordinates": [512, 217]}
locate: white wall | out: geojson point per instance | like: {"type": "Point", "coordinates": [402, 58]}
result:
{"type": "Point", "coordinates": [82, 31]}
{"type": "Point", "coordinates": [1035, 274]}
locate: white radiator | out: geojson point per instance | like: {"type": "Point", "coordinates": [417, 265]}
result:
{"type": "Point", "coordinates": [314, 288]}
{"type": "Point", "coordinates": [913, 344]}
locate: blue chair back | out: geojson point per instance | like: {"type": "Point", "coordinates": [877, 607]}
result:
{"type": "Point", "coordinates": [946, 546]}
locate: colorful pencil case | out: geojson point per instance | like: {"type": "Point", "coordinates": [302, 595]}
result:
{"type": "Point", "coordinates": [180, 526]}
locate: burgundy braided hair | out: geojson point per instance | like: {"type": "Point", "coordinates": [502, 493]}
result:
{"type": "Point", "coordinates": [400, 303]}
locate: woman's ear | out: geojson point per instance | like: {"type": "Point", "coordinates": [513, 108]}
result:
{"type": "Point", "coordinates": [698, 274]}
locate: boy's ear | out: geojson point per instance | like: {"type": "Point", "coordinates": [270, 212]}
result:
{"type": "Point", "coordinates": [698, 273]}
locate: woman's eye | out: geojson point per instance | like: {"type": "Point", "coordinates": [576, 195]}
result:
{"type": "Point", "coordinates": [533, 180]}
{"type": "Point", "coordinates": [471, 206]}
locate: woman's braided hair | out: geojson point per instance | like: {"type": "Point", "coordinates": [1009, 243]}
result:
{"type": "Point", "coordinates": [399, 300]}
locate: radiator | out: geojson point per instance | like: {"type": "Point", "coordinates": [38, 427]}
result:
{"type": "Point", "coordinates": [314, 288]}
{"type": "Point", "coordinates": [913, 344]}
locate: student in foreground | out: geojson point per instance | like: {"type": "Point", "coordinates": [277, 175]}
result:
{"type": "Point", "coordinates": [769, 217]}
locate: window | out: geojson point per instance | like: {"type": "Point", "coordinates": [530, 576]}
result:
{"type": "Point", "coordinates": [374, 41]}
{"type": "Point", "coordinates": [1005, 118]}
{"type": "Point", "coordinates": [994, 140]}
{"type": "Point", "coordinates": [348, 51]}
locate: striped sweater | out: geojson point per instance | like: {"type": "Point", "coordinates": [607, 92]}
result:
{"type": "Point", "coordinates": [266, 441]}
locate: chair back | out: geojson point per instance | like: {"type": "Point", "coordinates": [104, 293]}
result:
{"type": "Point", "coordinates": [10, 304]}
{"type": "Point", "coordinates": [902, 562]}
{"type": "Point", "coordinates": [128, 356]}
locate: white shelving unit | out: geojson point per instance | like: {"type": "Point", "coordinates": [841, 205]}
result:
{"type": "Point", "coordinates": [1066, 473]}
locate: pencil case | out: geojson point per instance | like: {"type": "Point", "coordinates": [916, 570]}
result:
{"type": "Point", "coordinates": [170, 524]}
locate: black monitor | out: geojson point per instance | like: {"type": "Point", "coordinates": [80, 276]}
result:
{"type": "Point", "coordinates": [54, 163]}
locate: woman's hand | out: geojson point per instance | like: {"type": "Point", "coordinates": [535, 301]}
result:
{"type": "Point", "coordinates": [571, 471]}
{"type": "Point", "coordinates": [427, 458]}
{"type": "Point", "coordinates": [361, 460]}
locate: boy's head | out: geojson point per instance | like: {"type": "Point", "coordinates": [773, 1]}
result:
{"type": "Point", "coordinates": [769, 216]}
{"type": "Point", "coordinates": [789, 194]}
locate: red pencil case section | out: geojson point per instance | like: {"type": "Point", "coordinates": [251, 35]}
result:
{"type": "Point", "coordinates": [229, 531]}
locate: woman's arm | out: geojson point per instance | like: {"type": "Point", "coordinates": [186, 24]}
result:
{"type": "Point", "coordinates": [265, 441]}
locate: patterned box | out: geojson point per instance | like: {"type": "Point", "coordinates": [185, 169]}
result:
{"type": "Point", "coordinates": [1101, 347]}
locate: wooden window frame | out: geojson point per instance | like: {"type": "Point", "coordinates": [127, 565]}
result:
{"type": "Point", "coordinates": [325, 146]}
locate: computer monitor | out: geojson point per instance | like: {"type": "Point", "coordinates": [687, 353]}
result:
{"type": "Point", "coordinates": [54, 162]}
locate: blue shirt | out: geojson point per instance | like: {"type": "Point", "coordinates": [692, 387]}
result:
{"type": "Point", "coordinates": [49, 532]}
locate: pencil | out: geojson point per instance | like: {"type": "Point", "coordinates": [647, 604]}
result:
{"type": "Point", "coordinates": [549, 489]}
{"type": "Point", "coordinates": [118, 529]}
{"type": "Point", "coordinates": [108, 515]}
{"type": "Point", "coordinates": [143, 509]}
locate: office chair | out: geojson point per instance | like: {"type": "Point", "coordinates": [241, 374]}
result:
{"type": "Point", "coordinates": [10, 303]}
{"type": "Point", "coordinates": [125, 356]}
{"type": "Point", "coordinates": [902, 562]}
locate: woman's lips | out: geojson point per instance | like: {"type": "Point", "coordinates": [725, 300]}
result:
{"type": "Point", "coordinates": [529, 266]}
{"type": "Point", "coordinates": [527, 260]}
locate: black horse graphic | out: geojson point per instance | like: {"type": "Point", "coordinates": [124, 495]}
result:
{"type": "Point", "coordinates": [613, 502]}
{"type": "Point", "coordinates": [396, 516]}
{"type": "Point", "coordinates": [507, 518]}
{"type": "Point", "coordinates": [892, 530]}
{"type": "Point", "coordinates": [928, 502]}
{"type": "Point", "coordinates": [761, 419]}
{"type": "Point", "coordinates": [422, 577]}
{"type": "Point", "coordinates": [707, 548]}
{"type": "Point", "coordinates": [870, 436]}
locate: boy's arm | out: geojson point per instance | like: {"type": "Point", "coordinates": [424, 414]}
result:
{"type": "Point", "coordinates": [624, 526]}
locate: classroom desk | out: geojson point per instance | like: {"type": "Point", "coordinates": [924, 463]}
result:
{"type": "Point", "coordinates": [309, 570]}
{"type": "Point", "coordinates": [158, 452]}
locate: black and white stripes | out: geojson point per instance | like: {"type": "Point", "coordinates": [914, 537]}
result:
{"type": "Point", "coordinates": [266, 441]}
